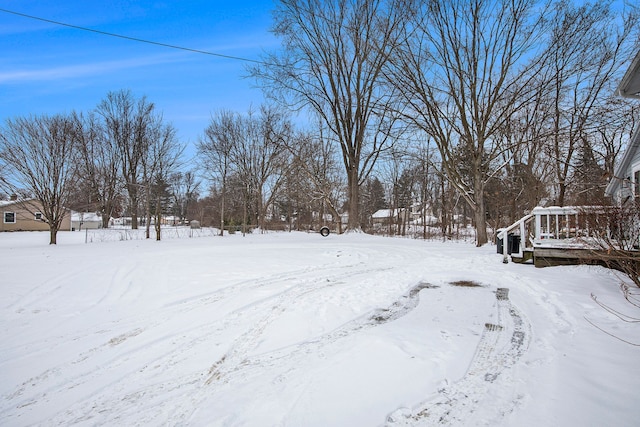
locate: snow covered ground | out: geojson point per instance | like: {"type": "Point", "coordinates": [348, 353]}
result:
{"type": "Point", "coordinates": [293, 329]}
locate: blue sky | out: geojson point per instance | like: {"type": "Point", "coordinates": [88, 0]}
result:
{"type": "Point", "coordinates": [49, 69]}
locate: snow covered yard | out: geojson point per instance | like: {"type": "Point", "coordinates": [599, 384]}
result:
{"type": "Point", "coordinates": [293, 329]}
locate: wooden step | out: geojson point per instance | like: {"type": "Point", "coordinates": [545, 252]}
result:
{"type": "Point", "coordinates": [527, 255]}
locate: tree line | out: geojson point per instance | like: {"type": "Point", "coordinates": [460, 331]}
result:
{"type": "Point", "coordinates": [477, 109]}
{"type": "Point", "coordinates": [121, 158]}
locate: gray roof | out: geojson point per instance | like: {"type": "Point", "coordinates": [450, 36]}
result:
{"type": "Point", "coordinates": [629, 86]}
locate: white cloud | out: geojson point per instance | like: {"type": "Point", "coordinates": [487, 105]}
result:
{"type": "Point", "coordinates": [80, 70]}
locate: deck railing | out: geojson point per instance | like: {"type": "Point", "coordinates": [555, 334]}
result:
{"type": "Point", "coordinates": [559, 227]}
{"type": "Point", "coordinates": [521, 226]}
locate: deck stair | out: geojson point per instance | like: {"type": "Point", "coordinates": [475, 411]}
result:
{"type": "Point", "coordinates": [527, 255]}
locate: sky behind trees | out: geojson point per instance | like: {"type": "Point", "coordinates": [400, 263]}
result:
{"type": "Point", "coordinates": [47, 68]}
{"type": "Point", "coordinates": [528, 93]}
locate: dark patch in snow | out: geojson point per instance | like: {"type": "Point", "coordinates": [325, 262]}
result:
{"type": "Point", "coordinates": [490, 377]}
{"type": "Point", "coordinates": [502, 293]}
{"type": "Point", "coordinates": [466, 284]}
{"type": "Point", "coordinates": [490, 327]}
{"type": "Point", "coordinates": [405, 304]}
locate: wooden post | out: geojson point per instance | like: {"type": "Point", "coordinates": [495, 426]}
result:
{"type": "Point", "coordinates": [505, 245]}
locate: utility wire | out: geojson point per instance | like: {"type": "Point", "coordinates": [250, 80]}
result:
{"type": "Point", "coordinates": [104, 33]}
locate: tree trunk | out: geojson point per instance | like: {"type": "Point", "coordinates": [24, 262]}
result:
{"type": "Point", "coordinates": [479, 213]}
{"type": "Point", "coordinates": [105, 219]}
{"type": "Point", "coordinates": [53, 235]}
{"type": "Point", "coordinates": [133, 208]}
{"type": "Point", "coordinates": [562, 191]}
{"type": "Point", "coordinates": [148, 214]}
{"type": "Point", "coordinates": [354, 200]}
{"type": "Point", "coordinates": [158, 219]}
{"type": "Point", "coordinates": [222, 207]}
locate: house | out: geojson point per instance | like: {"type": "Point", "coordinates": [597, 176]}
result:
{"type": "Point", "coordinates": [85, 221]}
{"type": "Point", "coordinates": [26, 215]}
{"type": "Point", "coordinates": [625, 183]}
{"type": "Point", "coordinates": [386, 216]}
{"type": "Point", "coordinates": [420, 212]}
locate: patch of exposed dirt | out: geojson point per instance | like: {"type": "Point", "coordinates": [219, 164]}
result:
{"type": "Point", "coordinates": [466, 284]}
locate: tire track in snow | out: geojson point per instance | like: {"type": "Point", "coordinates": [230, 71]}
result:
{"type": "Point", "coordinates": [238, 366]}
{"type": "Point", "coordinates": [124, 274]}
{"type": "Point", "coordinates": [397, 309]}
{"type": "Point", "coordinates": [117, 400]}
{"type": "Point", "coordinates": [501, 346]}
{"type": "Point", "coordinates": [137, 388]}
{"type": "Point", "coordinates": [97, 362]}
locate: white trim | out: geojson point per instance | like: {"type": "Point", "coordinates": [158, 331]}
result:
{"type": "Point", "coordinates": [635, 175]}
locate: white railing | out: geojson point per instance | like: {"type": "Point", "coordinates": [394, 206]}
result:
{"type": "Point", "coordinates": [503, 234]}
{"type": "Point", "coordinates": [558, 227]}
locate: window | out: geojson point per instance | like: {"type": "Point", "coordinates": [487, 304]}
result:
{"type": "Point", "coordinates": [636, 183]}
{"type": "Point", "coordinates": [38, 216]}
{"type": "Point", "coordinates": [10, 217]}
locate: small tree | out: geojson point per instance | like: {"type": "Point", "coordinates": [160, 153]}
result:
{"type": "Point", "coordinates": [38, 153]}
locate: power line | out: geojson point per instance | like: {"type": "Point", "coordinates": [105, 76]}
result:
{"type": "Point", "coordinates": [104, 33]}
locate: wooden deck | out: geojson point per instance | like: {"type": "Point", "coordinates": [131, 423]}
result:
{"type": "Point", "coordinates": [549, 257]}
{"type": "Point", "coordinates": [560, 236]}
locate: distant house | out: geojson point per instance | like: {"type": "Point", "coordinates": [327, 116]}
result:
{"type": "Point", "coordinates": [386, 216]}
{"type": "Point", "coordinates": [171, 220]}
{"type": "Point", "coordinates": [420, 212]}
{"type": "Point", "coordinates": [85, 221]}
{"type": "Point", "coordinates": [26, 215]}
{"type": "Point", "coordinates": [625, 183]}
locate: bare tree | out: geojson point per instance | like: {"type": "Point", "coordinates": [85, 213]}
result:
{"type": "Point", "coordinates": [184, 190]}
{"type": "Point", "coordinates": [38, 153]}
{"type": "Point", "coordinates": [465, 68]}
{"type": "Point", "coordinates": [126, 122]}
{"type": "Point", "coordinates": [315, 163]}
{"type": "Point", "coordinates": [251, 149]}
{"type": "Point", "coordinates": [394, 171]}
{"type": "Point", "coordinates": [588, 45]}
{"type": "Point", "coordinates": [613, 124]}
{"type": "Point", "coordinates": [332, 62]}
{"type": "Point", "coordinates": [373, 199]}
{"type": "Point", "coordinates": [426, 182]}
{"type": "Point", "coordinates": [161, 159]}
{"type": "Point", "coordinates": [521, 170]}
{"type": "Point", "coordinates": [99, 168]}
{"type": "Point", "coordinates": [260, 159]}
{"type": "Point", "coordinates": [215, 150]}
